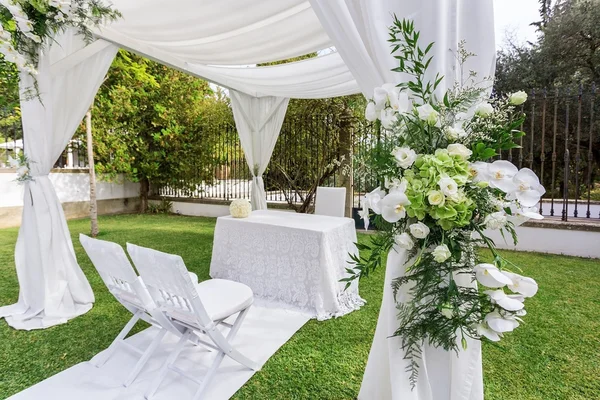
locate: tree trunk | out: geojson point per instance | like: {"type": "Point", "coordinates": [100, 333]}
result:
{"type": "Point", "coordinates": [90, 153]}
{"type": "Point", "coordinates": [347, 178]}
{"type": "Point", "coordinates": [144, 189]}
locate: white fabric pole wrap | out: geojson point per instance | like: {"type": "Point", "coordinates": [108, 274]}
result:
{"type": "Point", "coordinates": [53, 289]}
{"type": "Point", "coordinates": [258, 121]}
{"type": "Point", "coordinates": [359, 31]}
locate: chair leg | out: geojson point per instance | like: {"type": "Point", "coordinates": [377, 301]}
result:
{"type": "Point", "coordinates": [145, 357]}
{"type": "Point", "coordinates": [231, 351]}
{"type": "Point", "coordinates": [165, 368]}
{"type": "Point", "coordinates": [113, 346]}
{"type": "Point", "coordinates": [220, 355]}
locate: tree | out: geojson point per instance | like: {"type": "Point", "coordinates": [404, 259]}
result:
{"type": "Point", "coordinates": [150, 125]}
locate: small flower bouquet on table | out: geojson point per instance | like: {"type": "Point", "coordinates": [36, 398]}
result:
{"type": "Point", "coordinates": [240, 208]}
{"type": "Point", "coordinates": [439, 192]}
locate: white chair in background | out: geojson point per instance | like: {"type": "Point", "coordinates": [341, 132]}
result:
{"type": "Point", "coordinates": [197, 308]}
{"type": "Point", "coordinates": [330, 201]}
{"type": "Point", "coordinates": [123, 283]}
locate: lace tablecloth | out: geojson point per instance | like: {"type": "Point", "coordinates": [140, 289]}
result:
{"type": "Point", "coordinates": [289, 260]}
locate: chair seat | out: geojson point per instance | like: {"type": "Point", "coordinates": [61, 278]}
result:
{"type": "Point", "coordinates": [222, 298]}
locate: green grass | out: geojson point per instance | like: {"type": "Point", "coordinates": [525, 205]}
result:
{"type": "Point", "coordinates": [555, 355]}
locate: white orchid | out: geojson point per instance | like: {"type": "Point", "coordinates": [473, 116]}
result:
{"type": "Point", "coordinates": [479, 171]}
{"type": "Point", "coordinates": [371, 112]}
{"type": "Point", "coordinates": [441, 253]}
{"type": "Point", "coordinates": [448, 186]}
{"type": "Point", "coordinates": [22, 171]}
{"type": "Point", "coordinates": [484, 109]}
{"type": "Point", "coordinates": [527, 188]}
{"type": "Point", "coordinates": [489, 275]}
{"type": "Point", "coordinates": [428, 114]}
{"type": "Point", "coordinates": [520, 215]}
{"type": "Point", "coordinates": [380, 97]}
{"type": "Point", "coordinates": [395, 184]}
{"type": "Point", "coordinates": [400, 102]}
{"type": "Point", "coordinates": [500, 323]}
{"type": "Point", "coordinates": [457, 149]}
{"type": "Point", "coordinates": [404, 241]}
{"type": "Point", "coordinates": [405, 156]}
{"type": "Point", "coordinates": [373, 199]}
{"type": "Point", "coordinates": [523, 285]}
{"type": "Point", "coordinates": [501, 174]}
{"type": "Point", "coordinates": [496, 220]}
{"type": "Point", "coordinates": [484, 330]}
{"type": "Point", "coordinates": [454, 133]}
{"type": "Point", "coordinates": [388, 118]}
{"type": "Point", "coordinates": [393, 207]}
{"type": "Point", "coordinates": [13, 162]}
{"type": "Point", "coordinates": [419, 230]}
{"type": "Point", "coordinates": [507, 302]}
{"type": "Point", "coordinates": [364, 213]}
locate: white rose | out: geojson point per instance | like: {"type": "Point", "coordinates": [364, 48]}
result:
{"type": "Point", "coordinates": [457, 149]}
{"type": "Point", "coordinates": [495, 220]}
{"type": "Point", "coordinates": [419, 230]}
{"type": "Point", "coordinates": [405, 156]}
{"type": "Point", "coordinates": [441, 253]}
{"type": "Point", "coordinates": [404, 241]}
{"type": "Point", "coordinates": [453, 133]}
{"type": "Point", "coordinates": [435, 198]}
{"type": "Point", "coordinates": [448, 186]}
{"type": "Point", "coordinates": [427, 114]}
{"type": "Point", "coordinates": [484, 109]}
{"type": "Point", "coordinates": [517, 98]}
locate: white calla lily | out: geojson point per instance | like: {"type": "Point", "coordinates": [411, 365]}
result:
{"type": "Point", "coordinates": [501, 174]}
{"type": "Point", "coordinates": [508, 302]}
{"type": "Point", "coordinates": [525, 286]}
{"type": "Point", "coordinates": [527, 187]}
{"type": "Point", "coordinates": [393, 207]}
{"type": "Point", "coordinates": [489, 275]}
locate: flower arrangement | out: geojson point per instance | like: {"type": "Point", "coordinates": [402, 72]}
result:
{"type": "Point", "coordinates": [240, 208]}
{"type": "Point", "coordinates": [21, 163]}
{"type": "Point", "coordinates": [26, 26]}
{"type": "Point", "coordinates": [439, 192]}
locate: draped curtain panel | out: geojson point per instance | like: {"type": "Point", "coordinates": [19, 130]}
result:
{"type": "Point", "coordinates": [359, 32]}
{"type": "Point", "coordinates": [53, 289]}
{"type": "Point", "coordinates": [258, 121]}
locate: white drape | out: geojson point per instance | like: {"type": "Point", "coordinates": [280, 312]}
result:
{"type": "Point", "coordinates": [359, 31]}
{"type": "Point", "coordinates": [258, 121]}
{"type": "Point", "coordinates": [442, 376]}
{"type": "Point", "coordinates": [53, 288]}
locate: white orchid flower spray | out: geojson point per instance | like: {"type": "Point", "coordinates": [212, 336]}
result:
{"type": "Point", "coordinates": [441, 189]}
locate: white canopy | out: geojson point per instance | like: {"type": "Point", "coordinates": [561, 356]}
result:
{"type": "Point", "coordinates": [211, 39]}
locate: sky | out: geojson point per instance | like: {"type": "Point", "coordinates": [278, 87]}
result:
{"type": "Point", "coordinates": [515, 16]}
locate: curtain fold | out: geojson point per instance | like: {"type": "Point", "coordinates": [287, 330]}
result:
{"type": "Point", "coordinates": [258, 121]}
{"type": "Point", "coordinates": [359, 31]}
{"type": "Point", "coordinates": [53, 289]}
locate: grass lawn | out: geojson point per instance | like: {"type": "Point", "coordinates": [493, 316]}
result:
{"type": "Point", "coordinates": [555, 355]}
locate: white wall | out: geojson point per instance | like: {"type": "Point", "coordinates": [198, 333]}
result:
{"type": "Point", "coordinates": [582, 243]}
{"type": "Point", "coordinates": [70, 187]}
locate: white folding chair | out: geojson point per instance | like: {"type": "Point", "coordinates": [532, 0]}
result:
{"type": "Point", "coordinates": [123, 283]}
{"type": "Point", "coordinates": [198, 308]}
{"type": "Point", "coordinates": [330, 201]}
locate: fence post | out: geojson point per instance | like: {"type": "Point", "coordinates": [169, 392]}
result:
{"type": "Point", "coordinates": [565, 210]}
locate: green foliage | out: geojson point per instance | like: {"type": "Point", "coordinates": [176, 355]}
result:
{"type": "Point", "coordinates": [164, 207]}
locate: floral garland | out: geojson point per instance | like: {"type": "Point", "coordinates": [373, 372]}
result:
{"type": "Point", "coordinates": [439, 193]}
{"type": "Point", "coordinates": [26, 26]}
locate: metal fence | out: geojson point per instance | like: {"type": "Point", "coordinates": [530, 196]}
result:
{"type": "Point", "coordinates": [12, 144]}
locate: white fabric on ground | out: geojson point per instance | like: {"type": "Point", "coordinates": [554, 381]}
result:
{"type": "Point", "coordinates": [292, 260]}
{"type": "Point", "coordinates": [443, 375]}
{"type": "Point", "coordinates": [53, 289]}
{"type": "Point", "coordinates": [359, 32]}
{"type": "Point", "coordinates": [258, 121]}
{"type": "Point", "coordinates": [263, 332]}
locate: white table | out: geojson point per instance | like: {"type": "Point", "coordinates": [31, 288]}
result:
{"type": "Point", "coordinates": [289, 260]}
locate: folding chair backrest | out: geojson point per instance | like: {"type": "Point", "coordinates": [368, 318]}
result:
{"type": "Point", "coordinates": [116, 271]}
{"type": "Point", "coordinates": [169, 285]}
